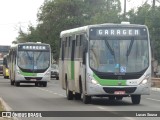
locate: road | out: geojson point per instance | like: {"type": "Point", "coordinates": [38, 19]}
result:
{"type": "Point", "coordinates": [27, 97]}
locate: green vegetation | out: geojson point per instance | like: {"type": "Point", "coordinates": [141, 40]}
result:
{"type": "Point", "coordinates": [57, 15]}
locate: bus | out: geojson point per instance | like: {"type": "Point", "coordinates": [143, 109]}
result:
{"type": "Point", "coordinates": [4, 49]}
{"type": "Point", "coordinates": [5, 66]}
{"type": "Point", "coordinates": [30, 63]}
{"type": "Point", "coordinates": [105, 60]}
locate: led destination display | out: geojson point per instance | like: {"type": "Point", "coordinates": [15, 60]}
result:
{"type": "Point", "coordinates": [33, 47]}
{"type": "Point", "coordinates": [118, 32]}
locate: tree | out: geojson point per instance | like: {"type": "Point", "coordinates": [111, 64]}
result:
{"type": "Point", "coordinates": [55, 16]}
{"type": "Point", "coordinates": [145, 14]}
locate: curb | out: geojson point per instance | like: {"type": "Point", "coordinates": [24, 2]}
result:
{"type": "Point", "coordinates": [6, 107]}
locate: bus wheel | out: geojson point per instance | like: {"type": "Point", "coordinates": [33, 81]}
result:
{"type": "Point", "coordinates": [77, 96]}
{"type": "Point", "coordinates": [136, 99]}
{"type": "Point", "coordinates": [17, 84]}
{"type": "Point", "coordinates": [86, 99]}
{"type": "Point", "coordinates": [69, 93]}
{"type": "Point", "coordinates": [12, 82]}
{"type": "Point", "coordinates": [36, 84]}
{"type": "Point", "coordinates": [44, 84]}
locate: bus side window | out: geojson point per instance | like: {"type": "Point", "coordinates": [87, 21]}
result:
{"type": "Point", "coordinates": [63, 45]}
{"type": "Point", "coordinates": [84, 48]}
{"type": "Point", "coordinates": [69, 47]}
{"type": "Point", "coordinates": [80, 46]}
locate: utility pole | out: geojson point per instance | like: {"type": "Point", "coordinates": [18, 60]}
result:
{"type": "Point", "coordinates": [124, 15]}
{"type": "Point", "coordinates": [153, 39]}
{"type": "Point", "coordinates": [153, 5]}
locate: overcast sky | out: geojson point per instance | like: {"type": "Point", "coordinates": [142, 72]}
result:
{"type": "Point", "coordinates": [16, 13]}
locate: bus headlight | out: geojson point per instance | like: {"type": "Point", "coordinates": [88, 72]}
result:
{"type": "Point", "coordinates": [92, 80]}
{"type": "Point", "coordinates": [145, 80]}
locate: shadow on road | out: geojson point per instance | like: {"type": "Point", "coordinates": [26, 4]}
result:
{"type": "Point", "coordinates": [104, 101]}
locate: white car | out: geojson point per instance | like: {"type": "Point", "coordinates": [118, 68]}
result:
{"type": "Point", "coordinates": [54, 71]}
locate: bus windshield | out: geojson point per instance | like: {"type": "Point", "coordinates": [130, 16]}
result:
{"type": "Point", "coordinates": [33, 60]}
{"type": "Point", "coordinates": [119, 55]}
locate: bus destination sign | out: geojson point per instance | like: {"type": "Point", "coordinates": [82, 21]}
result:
{"type": "Point", "coordinates": [33, 47]}
{"type": "Point", "coordinates": [118, 32]}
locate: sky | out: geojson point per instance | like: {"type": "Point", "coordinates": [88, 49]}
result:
{"type": "Point", "coordinates": [16, 13]}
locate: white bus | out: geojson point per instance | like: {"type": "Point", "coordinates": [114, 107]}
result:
{"type": "Point", "coordinates": [30, 63]}
{"type": "Point", "coordinates": [105, 60]}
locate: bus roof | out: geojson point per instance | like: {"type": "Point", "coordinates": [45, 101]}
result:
{"type": "Point", "coordinates": [85, 28]}
{"type": "Point", "coordinates": [29, 43]}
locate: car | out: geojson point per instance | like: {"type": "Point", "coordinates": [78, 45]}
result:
{"type": "Point", "coordinates": [54, 71]}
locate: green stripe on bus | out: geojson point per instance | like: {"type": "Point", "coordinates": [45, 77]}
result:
{"type": "Point", "coordinates": [28, 74]}
{"type": "Point", "coordinates": [72, 70]}
{"type": "Point", "coordinates": [110, 82]}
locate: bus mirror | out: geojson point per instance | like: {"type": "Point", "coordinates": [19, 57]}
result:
{"type": "Point", "coordinates": [85, 46]}
{"type": "Point", "coordinates": [84, 58]}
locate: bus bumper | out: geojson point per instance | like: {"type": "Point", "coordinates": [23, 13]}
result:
{"type": "Point", "coordinates": [32, 79]}
{"type": "Point", "coordinates": [94, 89]}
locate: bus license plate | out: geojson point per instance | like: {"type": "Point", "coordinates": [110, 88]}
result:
{"type": "Point", "coordinates": [119, 92]}
{"type": "Point", "coordinates": [33, 80]}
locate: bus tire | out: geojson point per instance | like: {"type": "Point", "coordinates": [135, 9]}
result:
{"type": "Point", "coordinates": [12, 82]}
{"type": "Point", "coordinates": [36, 84]}
{"type": "Point", "coordinates": [86, 99]}
{"type": "Point", "coordinates": [77, 96]}
{"type": "Point", "coordinates": [136, 99]}
{"type": "Point", "coordinates": [69, 93]}
{"type": "Point", "coordinates": [44, 84]}
{"type": "Point", "coordinates": [17, 84]}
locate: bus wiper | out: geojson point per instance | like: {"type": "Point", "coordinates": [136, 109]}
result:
{"type": "Point", "coordinates": [130, 47]}
{"type": "Point", "coordinates": [109, 47]}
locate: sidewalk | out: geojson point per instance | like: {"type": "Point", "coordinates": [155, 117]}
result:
{"type": "Point", "coordinates": [6, 108]}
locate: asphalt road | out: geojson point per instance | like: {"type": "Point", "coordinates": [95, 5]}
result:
{"type": "Point", "coordinates": [27, 97]}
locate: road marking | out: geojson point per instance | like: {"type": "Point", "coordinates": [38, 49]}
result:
{"type": "Point", "coordinates": [101, 108]}
{"type": "Point", "coordinates": [153, 99]}
{"type": "Point", "coordinates": [51, 92]}
{"type": "Point", "coordinates": [129, 118]}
